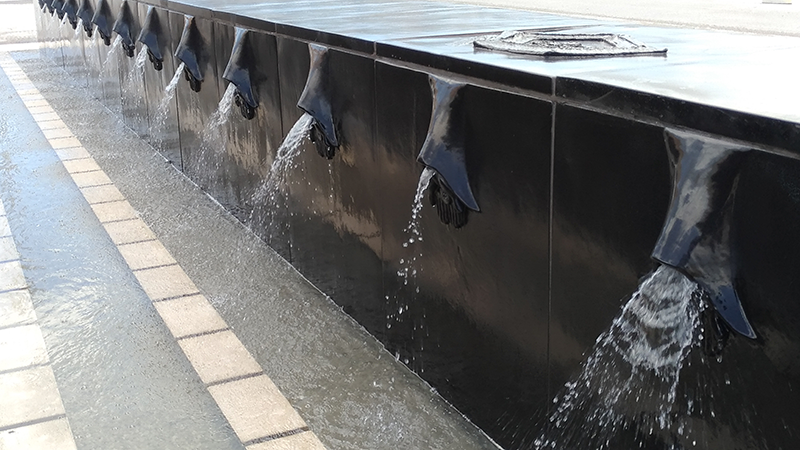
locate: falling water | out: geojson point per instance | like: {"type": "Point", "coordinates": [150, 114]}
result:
{"type": "Point", "coordinates": [132, 85]}
{"type": "Point", "coordinates": [158, 124]}
{"type": "Point", "coordinates": [111, 52]}
{"type": "Point", "coordinates": [266, 199]}
{"type": "Point", "coordinates": [215, 137]}
{"type": "Point", "coordinates": [629, 381]}
{"type": "Point", "coordinates": [398, 305]}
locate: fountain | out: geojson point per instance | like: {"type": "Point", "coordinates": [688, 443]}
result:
{"type": "Point", "coordinates": [499, 309]}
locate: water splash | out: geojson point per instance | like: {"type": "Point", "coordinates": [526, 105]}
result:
{"type": "Point", "coordinates": [158, 123]}
{"type": "Point", "coordinates": [628, 383]}
{"type": "Point", "coordinates": [408, 269]}
{"type": "Point", "coordinates": [78, 30]}
{"type": "Point", "coordinates": [267, 199]}
{"type": "Point", "coordinates": [215, 138]}
{"type": "Point", "coordinates": [110, 54]}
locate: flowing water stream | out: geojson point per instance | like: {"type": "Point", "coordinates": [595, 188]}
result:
{"type": "Point", "coordinates": [628, 383]}
{"type": "Point", "coordinates": [159, 132]}
{"type": "Point", "coordinates": [270, 196]}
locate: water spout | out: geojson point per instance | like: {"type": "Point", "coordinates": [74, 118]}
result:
{"type": "Point", "coordinates": [316, 102]}
{"type": "Point", "coordinates": [696, 237]}
{"type": "Point", "coordinates": [124, 26]}
{"type": "Point", "coordinates": [444, 151]}
{"type": "Point", "coordinates": [103, 20]}
{"type": "Point", "coordinates": [152, 38]}
{"type": "Point", "coordinates": [58, 7]}
{"type": "Point", "coordinates": [85, 14]}
{"type": "Point", "coordinates": [70, 9]}
{"type": "Point", "coordinates": [239, 73]}
{"type": "Point", "coordinates": [190, 52]}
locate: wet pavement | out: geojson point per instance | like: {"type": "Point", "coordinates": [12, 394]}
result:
{"type": "Point", "coordinates": [137, 313]}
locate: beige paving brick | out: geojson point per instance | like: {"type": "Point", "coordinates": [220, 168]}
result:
{"type": "Point", "coordinates": [120, 210]}
{"type": "Point", "coordinates": [65, 154]}
{"type": "Point", "coordinates": [190, 315]}
{"type": "Point", "coordinates": [11, 276]}
{"type": "Point", "coordinates": [64, 142]}
{"type": "Point", "coordinates": [8, 250]}
{"type": "Point", "coordinates": [81, 165]}
{"type": "Point", "coordinates": [45, 116]}
{"type": "Point", "coordinates": [28, 395]}
{"type": "Point", "coordinates": [55, 133]}
{"type": "Point", "coordinates": [27, 90]}
{"type": "Point", "coordinates": [97, 194]}
{"type": "Point", "coordinates": [165, 282]}
{"type": "Point", "coordinates": [51, 124]}
{"type": "Point", "coordinates": [94, 178]}
{"type": "Point", "coordinates": [50, 435]}
{"type": "Point", "coordinates": [21, 346]}
{"type": "Point", "coordinates": [142, 255]}
{"type": "Point", "coordinates": [219, 356]}
{"type": "Point", "coordinates": [42, 109]}
{"type": "Point", "coordinates": [255, 408]}
{"type": "Point", "coordinates": [127, 231]}
{"type": "Point", "coordinates": [16, 308]}
{"type": "Point", "coordinates": [34, 103]}
{"type": "Point", "coordinates": [301, 441]}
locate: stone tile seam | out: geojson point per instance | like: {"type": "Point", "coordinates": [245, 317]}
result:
{"type": "Point", "coordinates": [24, 368]}
{"type": "Point", "coordinates": [34, 94]}
{"type": "Point", "coordinates": [34, 422]}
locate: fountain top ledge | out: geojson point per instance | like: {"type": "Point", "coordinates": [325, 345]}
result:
{"type": "Point", "coordinates": [724, 83]}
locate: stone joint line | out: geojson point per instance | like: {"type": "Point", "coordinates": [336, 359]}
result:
{"type": "Point", "coordinates": [252, 404]}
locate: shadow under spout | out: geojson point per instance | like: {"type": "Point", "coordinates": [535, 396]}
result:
{"type": "Point", "coordinates": [696, 236]}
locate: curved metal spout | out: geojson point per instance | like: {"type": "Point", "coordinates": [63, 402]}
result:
{"type": "Point", "coordinates": [189, 52]}
{"type": "Point", "coordinates": [444, 151]}
{"type": "Point", "coordinates": [70, 8]}
{"type": "Point", "coordinates": [50, 8]}
{"type": "Point", "coordinates": [102, 19]}
{"type": "Point", "coordinates": [315, 100]}
{"type": "Point", "coordinates": [696, 237]}
{"type": "Point", "coordinates": [85, 13]}
{"type": "Point", "coordinates": [151, 37]}
{"type": "Point", "coordinates": [124, 27]}
{"type": "Point", "coordinates": [58, 6]}
{"type": "Point", "coordinates": [238, 71]}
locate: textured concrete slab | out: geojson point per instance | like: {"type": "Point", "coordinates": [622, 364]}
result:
{"type": "Point", "coordinates": [20, 347]}
{"type": "Point", "coordinates": [219, 356]}
{"type": "Point", "coordinates": [28, 395]}
{"type": "Point", "coordinates": [49, 435]}
{"type": "Point", "coordinates": [255, 408]}
{"type": "Point", "coordinates": [16, 308]}
{"type": "Point", "coordinates": [190, 316]}
{"type": "Point", "coordinates": [113, 211]}
{"type": "Point", "coordinates": [145, 255]}
{"type": "Point", "coordinates": [11, 276]}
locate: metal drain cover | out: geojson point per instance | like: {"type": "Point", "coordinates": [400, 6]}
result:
{"type": "Point", "coordinates": [565, 45]}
